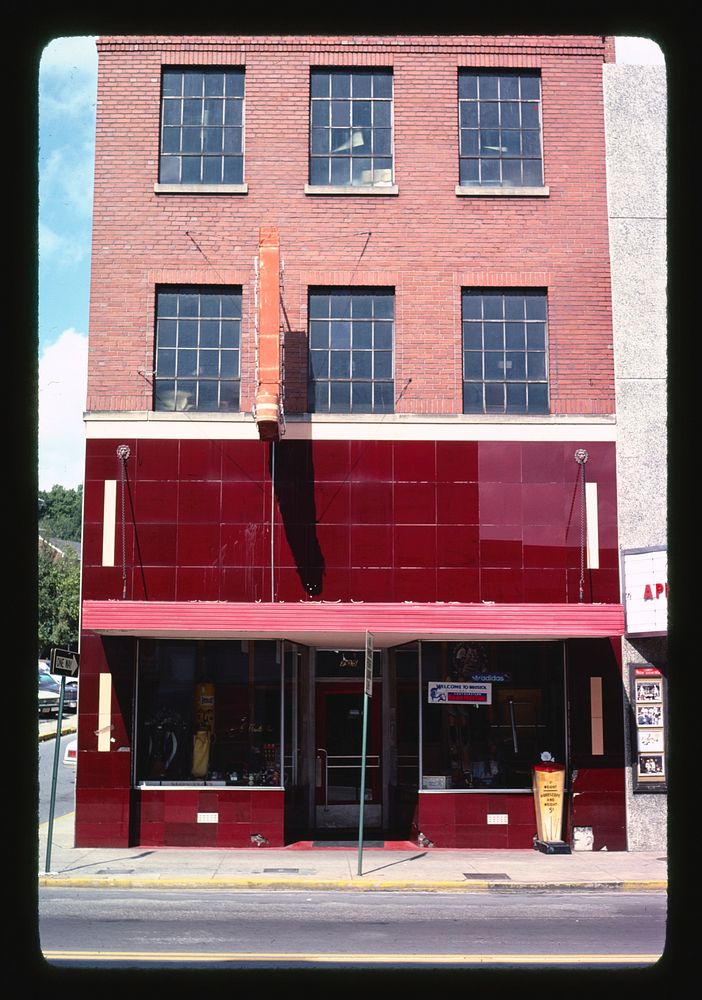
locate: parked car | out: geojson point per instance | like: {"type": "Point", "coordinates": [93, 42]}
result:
{"type": "Point", "coordinates": [49, 694]}
{"type": "Point", "coordinates": [70, 691]}
{"type": "Point", "coordinates": [70, 756]}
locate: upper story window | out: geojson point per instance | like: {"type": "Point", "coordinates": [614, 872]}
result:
{"type": "Point", "coordinates": [351, 128]}
{"type": "Point", "coordinates": [202, 124]}
{"type": "Point", "coordinates": [499, 118]}
{"type": "Point", "coordinates": [198, 339]}
{"type": "Point", "coordinates": [351, 351]}
{"type": "Point", "coordinates": [504, 351]}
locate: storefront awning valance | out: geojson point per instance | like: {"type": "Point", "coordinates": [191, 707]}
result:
{"type": "Point", "coordinates": [344, 624]}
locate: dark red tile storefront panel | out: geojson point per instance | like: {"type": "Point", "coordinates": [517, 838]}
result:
{"type": "Point", "coordinates": [461, 820]}
{"type": "Point", "coordinates": [506, 514]}
{"type": "Point", "coordinates": [102, 815]}
{"type": "Point", "coordinates": [414, 461]}
{"type": "Point", "coordinates": [170, 818]}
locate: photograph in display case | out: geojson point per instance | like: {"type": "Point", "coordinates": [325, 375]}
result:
{"type": "Point", "coordinates": [649, 715]}
{"type": "Point", "coordinates": [648, 691]}
{"type": "Point", "coordinates": [651, 741]}
{"type": "Point", "coordinates": [647, 686]}
{"type": "Point", "coordinates": [651, 765]}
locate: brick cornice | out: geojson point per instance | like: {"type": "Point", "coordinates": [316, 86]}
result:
{"type": "Point", "coordinates": [503, 45]}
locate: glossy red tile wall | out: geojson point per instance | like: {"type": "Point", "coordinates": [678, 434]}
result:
{"type": "Point", "coordinates": [461, 820]}
{"type": "Point", "coordinates": [442, 520]}
{"type": "Point", "coordinates": [170, 819]}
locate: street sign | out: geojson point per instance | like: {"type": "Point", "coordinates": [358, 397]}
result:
{"type": "Point", "coordinates": [64, 662]}
{"type": "Point", "coordinates": [368, 682]}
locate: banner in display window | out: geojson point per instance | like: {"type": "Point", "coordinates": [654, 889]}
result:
{"type": "Point", "coordinates": [459, 693]}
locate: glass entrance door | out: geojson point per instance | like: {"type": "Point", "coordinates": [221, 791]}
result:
{"type": "Point", "coordinates": [339, 731]}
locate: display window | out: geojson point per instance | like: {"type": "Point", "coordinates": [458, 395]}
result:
{"type": "Point", "coordinates": [208, 712]}
{"type": "Point", "coordinates": [489, 710]}
{"type": "Point", "coordinates": [405, 663]}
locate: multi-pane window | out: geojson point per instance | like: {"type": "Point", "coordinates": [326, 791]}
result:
{"type": "Point", "coordinates": [198, 337]}
{"type": "Point", "coordinates": [351, 351]}
{"type": "Point", "coordinates": [202, 120]}
{"type": "Point", "coordinates": [504, 351]}
{"type": "Point", "coordinates": [351, 127]}
{"type": "Point", "coordinates": [500, 129]}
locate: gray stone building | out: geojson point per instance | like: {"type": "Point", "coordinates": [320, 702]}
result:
{"type": "Point", "coordinates": [635, 118]}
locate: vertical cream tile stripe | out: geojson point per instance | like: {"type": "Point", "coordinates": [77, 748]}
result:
{"type": "Point", "coordinates": [105, 712]}
{"type": "Point", "coordinates": [109, 522]}
{"type": "Point", "coordinates": [593, 534]}
{"type": "Point", "coordinates": [596, 722]}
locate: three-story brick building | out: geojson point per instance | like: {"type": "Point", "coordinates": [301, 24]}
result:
{"type": "Point", "coordinates": [350, 374]}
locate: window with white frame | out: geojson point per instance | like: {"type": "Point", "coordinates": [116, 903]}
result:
{"type": "Point", "coordinates": [351, 127]}
{"type": "Point", "coordinates": [504, 351]}
{"type": "Point", "coordinates": [198, 341]}
{"type": "Point", "coordinates": [351, 337]}
{"type": "Point", "coordinates": [500, 128]}
{"type": "Point", "coordinates": [202, 126]}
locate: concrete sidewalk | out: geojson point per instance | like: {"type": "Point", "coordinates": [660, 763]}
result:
{"type": "Point", "coordinates": [398, 868]}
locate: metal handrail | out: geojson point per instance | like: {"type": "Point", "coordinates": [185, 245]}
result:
{"type": "Point", "coordinates": [357, 757]}
{"type": "Point", "coordinates": [372, 761]}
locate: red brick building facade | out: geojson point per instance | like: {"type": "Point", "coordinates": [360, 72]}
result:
{"type": "Point", "coordinates": [214, 552]}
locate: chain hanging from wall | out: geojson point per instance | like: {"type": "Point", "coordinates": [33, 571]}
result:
{"type": "Point", "coordinates": [123, 453]}
{"type": "Point", "coordinates": [581, 457]}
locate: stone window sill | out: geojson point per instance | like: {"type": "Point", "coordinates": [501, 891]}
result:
{"type": "Point", "coordinates": [503, 192]}
{"type": "Point", "coordinates": [351, 189]}
{"type": "Point", "coordinates": [201, 188]}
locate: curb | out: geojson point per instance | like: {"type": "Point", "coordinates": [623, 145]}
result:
{"type": "Point", "coordinates": [93, 882]}
{"type": "Point", "coordinates": [65, 731]}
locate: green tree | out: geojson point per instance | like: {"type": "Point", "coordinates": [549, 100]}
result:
{"type": "Point", "coordinates": [59, 599]}
{"type": "Point", "coordinates": [60, 513]}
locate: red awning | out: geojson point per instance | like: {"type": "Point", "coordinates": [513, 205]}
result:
{"type": "Point", "coordinates": [343, 625]}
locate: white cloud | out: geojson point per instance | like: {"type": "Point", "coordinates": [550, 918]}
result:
{"type": "Point", "coordinates": [638, 52]}
{"type": "Point", "coordinates": [63, 251]}
{"type": "Point", "coordinates": [71, 53]}
{"type": "Point", "coordinates": [62, 389]}
{"type": "Point", "coordinates": [67, 89]}
{"type": "Point", "coordinates": [66, 181]}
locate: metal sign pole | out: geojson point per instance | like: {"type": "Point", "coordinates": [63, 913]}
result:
{"type": "Point", "coordinates": [57, 751]}
{"type": "Point", "coordinates": [363, 786]}
{"type": "Point", "coordinates": [367, 694]}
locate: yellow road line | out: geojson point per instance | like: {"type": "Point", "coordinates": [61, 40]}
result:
{"type": "Point", "coordinates": [340, 957]}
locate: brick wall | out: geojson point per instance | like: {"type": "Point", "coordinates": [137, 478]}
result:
{"type": "Point", "coordinates": [425, 241]}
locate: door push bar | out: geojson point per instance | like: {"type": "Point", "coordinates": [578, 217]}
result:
{"type": "Point", "coordinates": [323, 767]}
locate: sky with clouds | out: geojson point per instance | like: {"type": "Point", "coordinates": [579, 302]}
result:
{"type": "Point", "coordinates": [67, 97]}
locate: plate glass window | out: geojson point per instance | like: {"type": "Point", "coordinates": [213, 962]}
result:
{"type": "Point", "coordinates": [499, 119]}
{"type": "Point", "coordinates": [351, 338]}
{"type": "Point", "coordinates": [202, 125]}
{"type": "Point", "coordinates": [208, 712]}
{"type": "Point", "coordinates": [493, 745]}
{"type": "Point", "coordinates": [504, 351]}
{"type": "Point", "coordinates": [351, 128]}
{"type": "Point", "coordinates": [198, 342]}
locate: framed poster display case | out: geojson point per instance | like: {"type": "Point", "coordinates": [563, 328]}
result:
{"type": "Point", "coordinates": [648, 702]}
